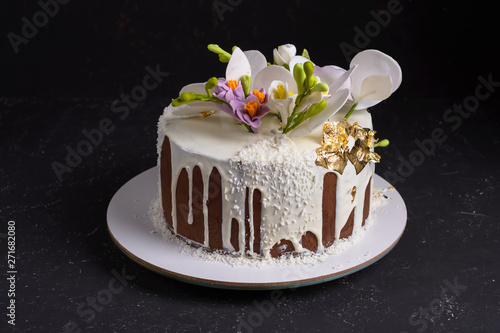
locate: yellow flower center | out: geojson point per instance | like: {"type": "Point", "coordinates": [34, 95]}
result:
{"type": "Point", "coordinates": [232, 84]}
{"type": "Point", "coordinates": [252, 107]}
{"type": "Point", "coordinates": [281, 93]}
{"type": "Point", "coordinates": [261, 96]}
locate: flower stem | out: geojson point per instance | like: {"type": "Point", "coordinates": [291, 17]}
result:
{"type": "Point", "coordinates": [290, 119]}
{"type": "Point", "coordinates": [247, 127]}
{"type": "Point", "coordinates": [350, 111]}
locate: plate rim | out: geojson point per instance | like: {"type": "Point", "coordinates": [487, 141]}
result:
{"type": "Point", "coordinates": [251, 285]}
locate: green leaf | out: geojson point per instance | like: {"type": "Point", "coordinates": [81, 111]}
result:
{"type": "Point", "coordinates": [305, 54]}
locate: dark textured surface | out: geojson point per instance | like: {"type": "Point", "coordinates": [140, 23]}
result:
{"type": "Point", "coordinates": [441, 277]}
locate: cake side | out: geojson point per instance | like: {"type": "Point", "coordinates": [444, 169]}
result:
{"type": "Point", "coordinates": [268, 199]}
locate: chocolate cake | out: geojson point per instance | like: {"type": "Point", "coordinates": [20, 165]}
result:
{"type": "Point", "coordinates": [274, 159]}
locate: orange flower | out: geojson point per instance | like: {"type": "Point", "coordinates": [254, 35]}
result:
{"type": "Point", "coordinates": [232, 84]}
{"type": "Point", "coordinates": [252, 107]}
{"type": "Point", "coordinates": [260, 95]}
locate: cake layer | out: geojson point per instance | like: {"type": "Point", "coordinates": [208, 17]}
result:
{"type": "Point", "coordinates": [226, 189]}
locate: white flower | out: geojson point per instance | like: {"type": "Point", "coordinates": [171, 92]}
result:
{"type": "Point", "coordinates": [282, 98]}
{"type": "Point", "coordinates": [284, 53]}
{"type": "Point", "coordinates": [303, 105]}
{"type": "Point", "coordinates": [281, 87]}
{"type": "Point", "coordinates": [375, 78]}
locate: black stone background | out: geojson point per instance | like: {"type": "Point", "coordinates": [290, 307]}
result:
{"type": "Point", "coordinates": [65, 78]}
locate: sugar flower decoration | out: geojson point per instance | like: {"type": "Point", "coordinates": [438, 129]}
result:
{"type": "Point", "coordinates": [227, 91]}
{"type": "Point", "coordinates": [284, 53]}
{"type": "Point", "coordinates": [301, 94]}
{"type": "Point", "coordinates": [251, 109]}
{"type": "Point", "coordinates": [375, 78]}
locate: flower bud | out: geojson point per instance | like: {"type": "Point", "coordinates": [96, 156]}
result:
{"type": "Point", "coordinates": [246, 82]}
{"type": "Point", "coordinates": [312, 81]}
{"type": "Point", "coordinates": [315, 109]}
{"type": "Point", "coordinates": [320, 87]}
{"type": "Point", "coordinates": [211, 83]}
{"type": "Point", "coordinates": [223, 55]}
{"type": "Point", "coordinates": [187, 97]}
{"type": "Point", "coordinates": [299, 75]}
{"type": "Point", "coordinates": [383, 143]}
{"type": "Point", "coordinates": [284, 53]}
{"type": "Point", "coordinates": [308, 68]}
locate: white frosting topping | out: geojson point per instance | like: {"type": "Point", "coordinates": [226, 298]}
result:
{"type": "Point", "coordinates": [291, 188]}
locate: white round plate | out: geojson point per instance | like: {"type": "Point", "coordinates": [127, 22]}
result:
{"type": "Point", "coordinates": [128, 229]}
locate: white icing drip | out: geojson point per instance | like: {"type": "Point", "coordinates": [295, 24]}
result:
{"type": "Point", "coordinates": [156, 217]}
{"type": "Point", "coordinates": [206, 188]}
{"type": "Point", "coordinates": [288, 181]}
{"type": "Point", "coordinates": [251, 219]}
{"type": "Point", "coordinates": [345, 202]}
{"type": "Point", "coordinates": [190, 196]}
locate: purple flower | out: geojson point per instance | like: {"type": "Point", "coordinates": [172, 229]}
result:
{"type": "Point", "coordinates": [251, 109]}
{"type": "Point", "coordinates": [228, 91]}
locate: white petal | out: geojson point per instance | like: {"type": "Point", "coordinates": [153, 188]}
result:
{"type": "Point", "coordinates": [313, 98]}
{"type": "Point", "coordinates": [238, 66]}
{"type": "Point", "coordinates": [275, 83]}
{"type": "Point", "coordinates": [273, 88]}
{"type": "Point", "coordinates": [342, 81]}
{"type": "Point", "coordinates": [374, 89]}
{"type": "Point", "coordinates": [198, 88]}
{"type": "Point", "coordinates": [334, 104]}
{"type": "Point", "coordinates": [283, 106]}
{"type": "Point", "coordinates": [373, 62]}
{"type": "Point", "coordinates": [278, 59]}
{"type": "Point", "coordinates": [297, 60]}
{"type": "Point", "coordinates": [328, 74]}
{"type": "Point", "coordinates": [189, 110]}
{"type": "Point", "coordinates": [287, 51]}
{"type": "Point", "coordinates": [271, 73]}
{"type": "Point", "coordinates": [257, 61]}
